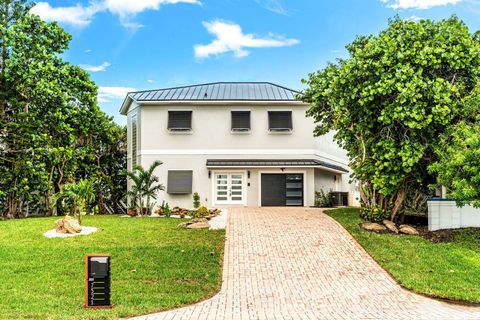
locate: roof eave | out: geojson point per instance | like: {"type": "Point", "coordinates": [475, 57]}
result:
{"type": "Point", "coordinates": [224, 102]}
{"type": "Point", "coordinates": [126, 105]}
{"type": "Point", "coordinates": [227, 166]}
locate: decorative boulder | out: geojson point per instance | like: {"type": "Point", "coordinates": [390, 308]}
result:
{"type": "Point", "coordinates": [67, 225]}
{"type": "Point", "coordinates": [406, 229]}
{"type": "Point", "coordinates": [195, 224]}
{"type": "Point", "coordinates": [372, 226]}
{"type": "Point", "coordinates": [390, 226]}
{"type": "Point", "coordinates": [199, 225]}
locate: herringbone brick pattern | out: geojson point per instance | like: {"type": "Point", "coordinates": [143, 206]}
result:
{"type": "Point", "coordinates": [298, 263]}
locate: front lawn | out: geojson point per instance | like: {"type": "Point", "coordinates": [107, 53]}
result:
{"type": "Point", "coordinates": [446, 270]}
{"type": "Point", "coordinates": [155, 266]}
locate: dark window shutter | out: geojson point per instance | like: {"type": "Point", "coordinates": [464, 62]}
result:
{"type": "Point", "coordinates": [179, 182]}
{"type": "Point", "coordinates": [240, 120]}
{"type": "Point", "coordinates": [280, 120]}
{"type": "Point", "coordinates": [180, 120]}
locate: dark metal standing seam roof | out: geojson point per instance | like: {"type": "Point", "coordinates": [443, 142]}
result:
{"type": "Point", "coordinates": [272, 163]}
{"type": "Point", "coordinates": [245, 91]}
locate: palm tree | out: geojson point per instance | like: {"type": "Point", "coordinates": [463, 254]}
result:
{"type": "Point", "coordinates": [144, 185]}
{"type": "Point", "coordinates": [135, 193]}
{"type": "Point", "coordinates": [80, 194]}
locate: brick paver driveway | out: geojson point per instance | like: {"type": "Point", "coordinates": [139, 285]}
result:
{"type": "Point", "coordinates": [300, 264]}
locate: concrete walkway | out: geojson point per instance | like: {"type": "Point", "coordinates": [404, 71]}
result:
{"type": "Point", "coordinates": [298, 263]}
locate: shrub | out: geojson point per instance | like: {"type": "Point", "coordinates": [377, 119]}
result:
{"type": "Point", "coordinates": [196, 200]}
{"type": "Point", "coordinates": [201, 212]}
{"type": "Point", "coordinates": [323, 199]}
{"type": "Point", "coordinates": [167, 211]}
{"type": "Point", "coordinates": [374, 213]}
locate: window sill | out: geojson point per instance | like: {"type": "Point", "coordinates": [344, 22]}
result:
{"type": "Point", "coordinates": [241, 131]}
{"type": "Point", "coordinates": [280, 131]}
{"type": "Point", "coordinates": [180, 132]}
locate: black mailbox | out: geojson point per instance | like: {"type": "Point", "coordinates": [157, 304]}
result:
{"type": "Point", "coordinates": [97, 281]}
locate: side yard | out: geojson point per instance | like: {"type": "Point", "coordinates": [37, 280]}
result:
{"type": "Point", "coordinates": [445, 269]}
{"type": "Point", "coordinates": [155, 266]}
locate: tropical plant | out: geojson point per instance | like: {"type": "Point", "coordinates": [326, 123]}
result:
{"type": "Point", "coordinates": [392, 100]}
{"type": "Point", "coordinates": [323, 199]}
{"type": "Point", "coordinates": [80, 195]}
{"type": "Point", "coordinates": [196, 200]}
{"type": "Point", "coordinates": [145, 185]}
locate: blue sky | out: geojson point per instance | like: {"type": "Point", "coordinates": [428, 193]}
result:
{"type": "Point", "coordinates": [147, 44]}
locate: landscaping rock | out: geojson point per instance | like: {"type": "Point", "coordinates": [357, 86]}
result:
{"type": "Point", "coordinates": [198, 223]}
{"type": "Point", "coordinates": [390, 226]}
{"type": "Point", "coordinates": [372, 226]}
{"type": "Point", "coordinates": [406, 229]}
{"type": "Point", "coordinates": [67, 225]}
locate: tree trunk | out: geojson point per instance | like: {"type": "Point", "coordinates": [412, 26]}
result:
{"type": "Point", "coordinates": [399, 203]}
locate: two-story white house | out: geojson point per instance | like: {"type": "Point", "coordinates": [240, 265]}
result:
{"type": "Point", "coordinates": [246, 144]}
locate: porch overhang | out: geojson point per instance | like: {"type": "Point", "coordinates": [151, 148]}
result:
{"type": "Point", "coordinates": [274, 163]}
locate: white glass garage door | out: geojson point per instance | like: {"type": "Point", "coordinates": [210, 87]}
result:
{"type": "Point", "coordinates": [229, 188]}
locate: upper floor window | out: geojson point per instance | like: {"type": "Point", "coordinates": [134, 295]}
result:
{"type": "Point", "coordinates": [280, 121]}
{"type": "Point", "coordinates": [180, 120]}
{"type": "Point", "coordinates": [241, 121]}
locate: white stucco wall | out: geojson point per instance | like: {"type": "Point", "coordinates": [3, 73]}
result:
{"type": "Point", "coordinates": [202, 184]}
{"type": "Point", "coordinates": [446, 215]}
{"type": "Point", "coordinates": [211, 138]}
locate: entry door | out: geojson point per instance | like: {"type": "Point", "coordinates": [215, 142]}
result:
{"type": "Point", "coordinates": [229, 188]}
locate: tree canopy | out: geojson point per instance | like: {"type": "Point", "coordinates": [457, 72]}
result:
{"type": "Point", "coordinates": [391, 101]}
{"type": "Point", "coordinates": [458, 165]}
{"type": "Point", "coordinates": [51, 129]}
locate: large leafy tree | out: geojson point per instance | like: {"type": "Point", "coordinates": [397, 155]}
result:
{"type": "Point", "coordinates": [458, 167]}
{"type": "Point", "coordinates": [51, 129]}
{"type": "Point", "coordinates": [391, 101]}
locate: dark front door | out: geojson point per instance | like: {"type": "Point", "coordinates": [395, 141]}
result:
{"type": "Point", "coordinates": [282, 190]}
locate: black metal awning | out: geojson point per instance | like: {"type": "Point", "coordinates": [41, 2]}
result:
{"type": "Point", "coordinates": [258, 163]}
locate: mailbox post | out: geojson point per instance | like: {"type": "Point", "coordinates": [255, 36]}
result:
{"type": "Point", "coordinates": [97, 281]}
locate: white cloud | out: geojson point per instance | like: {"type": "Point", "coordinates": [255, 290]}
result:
{"type": "Point", "coordinates": [414, 18]}
{"type": "Point", "coordinates": [78, 16]}
{"type": "Point", "coordinates": [418, 4]}
{"type": "Point", "coordinates": [124, 8]}
{"type": "Point", "coordinates": [102, 67]}
{"type": "Point", "coordinates": [88, 51]}
{"type": "Point", "coordinates": [274, 6]}
{"type": "Point", "coordinates": [106, 94]}
{"type": "Point", "coordinates": [229, 37]}
{"type": "Point", "coordinates": [81, 16]}
{"type": "Point", "coordinates": [150, 81]}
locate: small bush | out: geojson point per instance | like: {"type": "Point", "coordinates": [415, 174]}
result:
{"type": "Point", "coordinates": [201, 212]}
{"type": "Point", "coordinates": [323, 200]}
{"type": "Point", "coordinates": [196, 200]}
{"type": "Point", "coordinates": [374, 214]}
{"type": "Point", "coordinates": [167, 211]}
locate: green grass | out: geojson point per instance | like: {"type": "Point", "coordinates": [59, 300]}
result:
{"type": "Point", "coordinates": [155, 266]}
{"type": "Point", "coordinates": [445, 270]}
